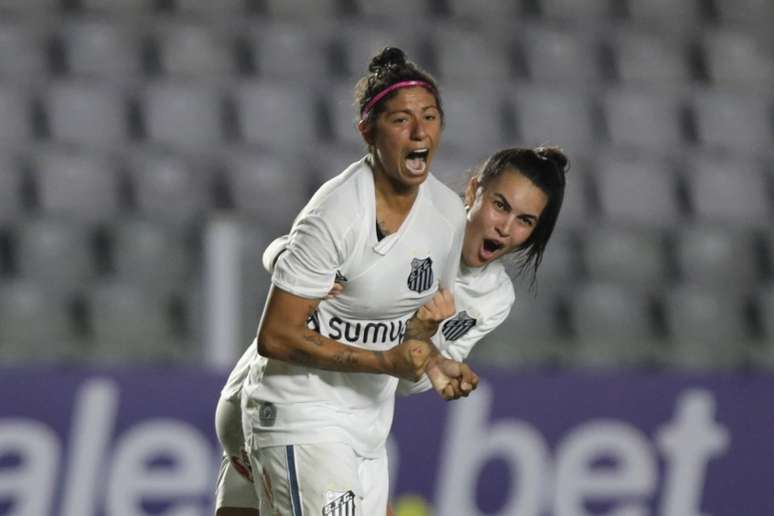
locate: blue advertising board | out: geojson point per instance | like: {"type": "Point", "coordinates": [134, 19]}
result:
{"type": "Point", "coordinates": [137, 442]}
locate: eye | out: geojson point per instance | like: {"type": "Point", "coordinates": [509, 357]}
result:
{"type": "Point", "coordinates": [527, 222]}
{"type": "Point", "coordinates": [431, 118]}
{"type": "Point", "coordinates": [500, 205]}
{"type": "Point", "coordinates": [400, 120]}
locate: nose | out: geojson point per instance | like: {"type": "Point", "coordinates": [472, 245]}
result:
{"type": "Point", "coordinates": [504, 225]}
{"type": "Point", "coordinates": [418, 131]}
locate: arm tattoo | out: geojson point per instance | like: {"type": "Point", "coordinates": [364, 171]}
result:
{"type": "Point", "coordinates": [314, 338]}
{"type": "Point", "coordinates": [382, 359]}
{"type": "Point", "coordinates": [345, 358]}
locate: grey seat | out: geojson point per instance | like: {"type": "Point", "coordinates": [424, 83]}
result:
{"type": "Point", "coordinates": [725, 259]}
{"type": "Point", "coordinates": [731, 191]}
{"type": "Point", "coordinates": [169, 189]}
{"type": "Point", "coordinates": [559, 56]}
{"type": "Point", "coordinates": [578, 207]}
{"type": "Point", "coordinates": [362, 41]}
{"type": "Point", "coordinates": [261, 105]}
{"type": "Point", "coordinates": [756, 14]}
{"type": "Point", "coordinates": [260, 189]}
{"type": "Point", "coordinates": [16, 122]}
{"type": "Point", "coordinates": [391, 9]}
{"type": "Point", "coordinates": [208, 10]}
{"type": "Point", "coordinates": [739, 59]}
{"type": "Point", "coordinates": [87, 113]}
{"type": "Point", "coordinates": [76, 185]}
{"type": "Point", "coordinates": [640, 192]}
{"type": "Point", "coordinates": [484, 10]}
{"type": "Point", "coordinates": [55, 253]}
{"type": "Point", "coordinates": [11, 206]}
{"type": "Point", "coordinates": [473, 121]}
{"type": "Point", "coordinates": [729, 121]}
{"type": "Point", "coordinates": [131, 325]}
{"type": "Point", "coordinates": [150, 256]}
{"type": "Point", "coordinates": [531, 336]}
{"type": "Point", "coordinates": [22, 51]}
{"type": "Point", "coordinates": [559, 271]}
{"type": "Point", "coordinates": [455, 168]}
{"type": "Point", "coordinates": [119, 7]}
{"type": "Point", "coordinates": [631, 257]}
{"type": "Point", "coordinates": [614, 326]}
{"type": "Point", "coordinates": [302, 9]}
{"type": "Point", "coordinates": [284, 50]}
{"type": "Point", "coordinates": [575, 11]}
{"type": "Point", "coordinates": [556, 117]}
{"type": "Point", "coordinates": [486, 58]}
{"type": "Point", "coordinates": [708, 328]}
{"type": "Point", "coordinates": [343, 114]}
{"type": "Point", "coordinates": [647, 58]}
{"type": "Point", "coordinates": [28, 7]}
{"type": "Point", "coordinates": [101, 47]}
{"type": "Point", "coordinates": [35, 327]}
{"type": "Point", "coordinates": [183, 115]}
{"type": "Point", "coordinates": [644, 121]}
{"type": "Point", "coordinates": [664, 15]}
{"type": "Point", "coordinates": [194, 49]}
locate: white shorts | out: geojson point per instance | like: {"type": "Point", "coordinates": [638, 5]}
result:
{"type": "Point", "coordinates": [232, 489]}
{"type": "Point", "coordinates": [327, 479]}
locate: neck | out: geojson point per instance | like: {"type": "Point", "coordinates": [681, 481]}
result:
{"type": "Point", "coordinates": [392, 193]}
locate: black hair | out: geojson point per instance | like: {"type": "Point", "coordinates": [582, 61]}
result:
{"type": "Point", "coordinates": [546, 167]}
{"type": "Point", "coordinates": [388, 67]}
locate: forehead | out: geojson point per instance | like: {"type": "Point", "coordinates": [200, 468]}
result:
{"type": "Point", "coordinates": [415, 97]}
{"type": "Point", "coordinates": [518, 190]}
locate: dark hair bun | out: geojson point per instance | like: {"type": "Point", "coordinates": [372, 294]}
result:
{"type": "Point", "coordinates": [388, 58]}
{"type": "Point", "coordinates": [555, 156]}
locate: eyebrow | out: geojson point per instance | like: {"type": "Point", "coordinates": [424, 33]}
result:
{"type": "Point", "coordinates": [526, 216]}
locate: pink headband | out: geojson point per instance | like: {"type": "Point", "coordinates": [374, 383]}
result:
{"type": "Point", "coordinates": [379, 96]}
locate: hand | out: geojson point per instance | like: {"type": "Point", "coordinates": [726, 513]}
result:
{"type": "Point", "coordinates": [451, 379]}
{"type": "Point", "coordinates": [335, 290]}
{"type": "Point", "coordinates": [242, 465]}
{"type": "Point", "coordinates": [425, 321]}
{"type": "Point", "coordinates": [408, 359]}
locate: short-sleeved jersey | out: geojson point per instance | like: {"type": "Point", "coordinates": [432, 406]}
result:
{"type": "Point", "coordinates": [387, 280]}
{"type": "Point", "coordinates": [483, 298]}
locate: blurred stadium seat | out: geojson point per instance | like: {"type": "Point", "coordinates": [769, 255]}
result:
{"type": "Point", "coordinates": [708, 328]}
{"type": "Point", "coordinates": [561, 57]}
{"type": "Point", "coordinates": [23, 58]}
{"type": "Point", "coordinates": [87, 113]}
{"type": "Point", "coordinates": [649, 59]}
{"type": "Point", "coordinates": [708, 255]}
{"type": "Point", "coordinates": [731, 121]}
{"type": "Point", "coordinates": [283, 50]}
{"type": "Point", "coordinates": [195, 50]}
{"type": "Point", "coordinates": [261, 105]}
{"type": "Point", "coordinates": [613, 325]}
{"type": "Point", "coordinates": [11, 208]}
{"type": "Point", "coordinates": [183, 115]}
{"type": "Point", "coordinates": [101, 47]}
{"type": "Point", "coordinates": [35, 327]}
{"type": "Point", "coordinates": [58, 254]}
{"type": "Point", "coordinates": [16, 122]}
{"type": "Point", "coordinates": [77, 185]}
{"type": "Point", "coordinates": [738, 59]}
{"type": "Point", "coordinates": [621, 184]}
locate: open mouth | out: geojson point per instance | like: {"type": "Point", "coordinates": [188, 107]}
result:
{"type": "Point", "coordinates": [416, 161]}
{"type": "Point", "coordinates": [492, 246]}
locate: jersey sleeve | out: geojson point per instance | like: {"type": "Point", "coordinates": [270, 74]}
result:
{"type": "Point", "coordinates": [273, 251]}
{"type": "Point", "coordinates": [458, 349]}
{"type": "Point", "coordinates": [316, 248]}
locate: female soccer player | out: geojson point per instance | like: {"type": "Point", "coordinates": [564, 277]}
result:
{"type": "Point", "coordinates": [513, 202]}
{"type": "Point", "coordinates": [312, 419]}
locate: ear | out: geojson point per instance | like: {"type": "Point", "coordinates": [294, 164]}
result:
{"type": "Point", "coordinates": [365, 130]}
{"type": "Point", "coordinates": [470, 192]}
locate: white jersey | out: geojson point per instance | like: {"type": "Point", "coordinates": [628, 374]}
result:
{"type": "Point", "coordinates": [387, 280]}
{"type": "Point", "coordinates": [483, 298]}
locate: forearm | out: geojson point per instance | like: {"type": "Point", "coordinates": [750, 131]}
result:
{"type": "Point", "coordinates": [308, 348]}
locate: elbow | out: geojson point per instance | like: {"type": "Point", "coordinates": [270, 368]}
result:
{"type": "Point", "coordinates": [268, 345]}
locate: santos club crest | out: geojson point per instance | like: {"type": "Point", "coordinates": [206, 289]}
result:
{"type": "Point", "coordinates": [421, 277]}
{"type": "Point", "coordinates": [458, 326]}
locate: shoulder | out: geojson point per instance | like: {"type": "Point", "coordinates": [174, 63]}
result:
{"type": "Point", "coordinates": [491, 289]}
{"type": "Point", "coordinates": [445, 200]}
{"type": "Point", "coordinates": [340, 200]}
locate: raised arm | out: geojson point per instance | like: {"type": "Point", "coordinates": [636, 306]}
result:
{"type": "Point", "coordinates": [283, 335]}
